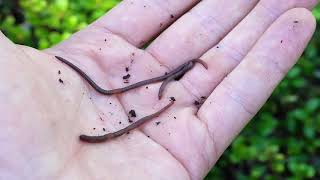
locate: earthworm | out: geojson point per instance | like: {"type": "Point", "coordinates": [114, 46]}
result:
{"type": "Point", "coordinates": [178, 72]}
{"type": "Point", "coordinates": [124, 89]}
{"type": "Point", "coordinates": [103, 138]}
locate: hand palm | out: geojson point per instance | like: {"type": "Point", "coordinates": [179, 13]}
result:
{"type": "Point", "coordinates": [47, 105]}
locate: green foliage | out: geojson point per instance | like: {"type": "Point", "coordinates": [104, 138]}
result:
{"type": "Point", "coordinates": [280, 142]}
{"type": "Point", "coordinates": [48, 22]}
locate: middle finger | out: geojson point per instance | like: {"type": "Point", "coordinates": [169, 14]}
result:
{"type": "Point", "coordinates": [198, 30]}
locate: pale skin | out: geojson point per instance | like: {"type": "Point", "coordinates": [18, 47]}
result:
{"type": "Point", "coordinates": [248, 45]}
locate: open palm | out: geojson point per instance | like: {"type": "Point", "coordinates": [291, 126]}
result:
{"type": "Point", "coordinates": [45, 105]}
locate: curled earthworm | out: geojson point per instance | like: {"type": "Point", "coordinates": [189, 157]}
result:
{"type": "Point", "coordinates": [187, 66]}
{"type": "Point", "coordinates": [179, 71]}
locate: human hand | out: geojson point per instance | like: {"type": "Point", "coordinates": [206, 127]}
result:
{"type": "Point", "coordinates": [45, 105]}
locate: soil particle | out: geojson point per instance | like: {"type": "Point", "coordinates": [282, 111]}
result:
{"type": "Point", "coordinates": [126, 77]}
{"type": "Point", "coordinates": [132, 113]}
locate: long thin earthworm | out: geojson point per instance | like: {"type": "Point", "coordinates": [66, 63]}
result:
{"type": "Point", "coordinates": [132, 86]}
{"type": "Point", "coordinates": [103, 138]}
{"type": "Point", "coordinates": [118, 90]}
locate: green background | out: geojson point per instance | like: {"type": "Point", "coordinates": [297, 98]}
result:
{"type": "Point", "coordinates": [282, 141]}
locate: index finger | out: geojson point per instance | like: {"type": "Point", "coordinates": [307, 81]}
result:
{"type": "Point", "coordinates": [138, 21]}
